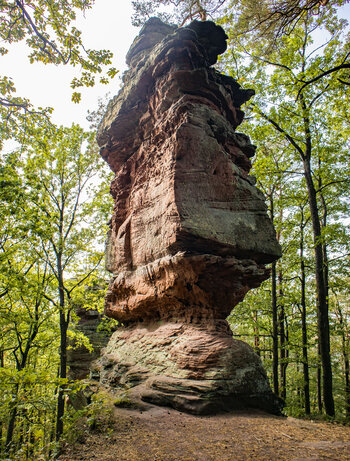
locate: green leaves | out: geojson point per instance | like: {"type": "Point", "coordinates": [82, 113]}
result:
{"type": "Point", "coordinates": [178, 12]}
{"type": "Point", "coordinates": [48, 29]}
{"type": "Point", "coordinates": [50, 263]}
{"type": "Point", "coordinates": [299, 122]}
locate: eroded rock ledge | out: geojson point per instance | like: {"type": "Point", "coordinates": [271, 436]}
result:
{"type": "Point", "coordinates": [189, 233]}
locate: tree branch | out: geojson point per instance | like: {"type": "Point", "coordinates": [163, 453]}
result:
{"type": "Point", "coordinates": [323, 74]}
{"type": "Point", "coordinates": [281, 130]}
{"type": "Point", "coordinates": [46, 42]}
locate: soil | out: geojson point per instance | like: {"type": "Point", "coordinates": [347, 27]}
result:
{"type": "Point", "coordinates": [161, 434]}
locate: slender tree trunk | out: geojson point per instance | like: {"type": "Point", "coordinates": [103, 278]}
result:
{"type": "Point", "coordinates": [321, 291]}
{"type": "Point", "coordinates": [321, 288]}
{"type": "Point", "coordinates": [283, 339]}
{"type": "Point", "coordinates": [324, 247]}
{"type": "Point", "coordinates": [274, 330]}
{"type": "Point", "coordinates": [21, 364]}
{"type": "Point", "coordinates": [274, 313]}
{"type": "Point", "coordinates": [63, 375]}
{"type": "Point", "coordinates": [319, 381]}
{"type": "Point", "coordinates": [12, 419]}
{"type": "Point", "coordinates": [347, 382]}
{"type": "Point", "coordinates": [346, 361]}
{"type": "Point", "coordinates": [256, 333]}
{"type": "Point", "coordinates": [303, 318]}
{"type": "Point", "coordinates": [305, 359]}
{"type": "Point", "coordinates": [324, 244]}
{"type": "Point", "coordinates": [299, 393]}
{"type": "Point", "coordinates": [10, 429]}
{"type": "Point", "coordinates": [63, 349]}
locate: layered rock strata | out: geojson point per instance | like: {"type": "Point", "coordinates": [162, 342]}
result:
{"type": "Point", "coordinates": [189, 233]}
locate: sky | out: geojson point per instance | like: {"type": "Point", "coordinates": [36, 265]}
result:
{"type": "Point", "coordinates": [106, 26]}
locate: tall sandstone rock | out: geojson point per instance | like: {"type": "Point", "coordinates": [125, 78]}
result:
{"type": "Point", "coordinates": [189, 234]}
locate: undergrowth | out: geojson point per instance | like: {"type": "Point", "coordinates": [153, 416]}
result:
{"type": "Point", "coordinates": [97, 416]}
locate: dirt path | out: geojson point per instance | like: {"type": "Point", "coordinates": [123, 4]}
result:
{"type": "Point", "coordinates": [160, 434]}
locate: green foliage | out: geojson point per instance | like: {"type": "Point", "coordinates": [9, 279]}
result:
{"type": "Point", "coordinates": [268, 22]}
{"type": "Point", "coordinates": [47, 27]}
{"type": "Point", "coordinates": [108, 325]}
{"type": "Point", "coordinates": [123, 401]}
{"type": "Point", "coordinates": [54, 206]}
{"type": "Point", "coordinates": [97, 417]}
{"type": "Point", "coordinates": [52, 230]}
{"type": "Point", "coordinates": [175, 11]}
{"type": "Point", "coordinates": [293, 122]}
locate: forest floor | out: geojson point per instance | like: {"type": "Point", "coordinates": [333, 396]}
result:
{"type": "Point", "coordinates": [161, 434]}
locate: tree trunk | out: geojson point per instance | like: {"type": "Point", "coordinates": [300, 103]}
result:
{"type": "Point", "coordinates": [305, 342]}
{"type": "Point", "coordinates": [21, 364]}
{"type": "Point", "coordinates": [324, 245]}
{"type": "Point", "coordinates": [63, 375]}
{"type": "Point", "coordinates": [305, 152]}
{"type": "Point", "coordinates": [347, 382]}
{"type": "Point", "coordinates": [256, 334]}
{"type": "Point", "coordinates": [283, 340]}
{"type": "Point", "coordinates": [321, 285]}
{"type": "Point", "coordinates": [346, 361]}
{"type": "Point", "coordinates": [64, 320]}
{"type": "Point", "coordinates": [274, 313]}
{"type": "Point", "coordinates": [321, 292]}
{"type": "Point", "coordinates": [303, 319]}
{"type": "Point", "coordinates": [12, 419]}
{"type": "Point", "coordinates": [319, 381]}
{"type": "Point", "coordinates": [274, 330]}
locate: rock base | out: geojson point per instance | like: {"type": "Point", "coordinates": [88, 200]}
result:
{"type": "Point", "coordinates": [195, 368]}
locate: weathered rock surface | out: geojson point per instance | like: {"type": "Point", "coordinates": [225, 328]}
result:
{"type": "Point", "coordinates": [195, 367]}
{"type": "Point", "coordinates": [79, 357]}
{"type": "Point", "coordinates": [189, 233]}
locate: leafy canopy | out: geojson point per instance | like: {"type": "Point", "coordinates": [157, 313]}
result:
{"type": "Point", "coordinates": [47, 27]}
{"type": "Point", "coordinates": [177, 11]}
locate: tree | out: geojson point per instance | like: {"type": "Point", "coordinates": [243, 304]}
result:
{"type": "Point", "coordinates": [53, 206]}
{"type": "Point", "coordinates": [293, 110]}
{"type": "Point", "coordinates": [26, 316]}
{"type": "Point", "coordinates": [47, 27]}
{"type": "Point", "coordinates": [177, 11]}
{"type": "Point", "coordinates": [342, 314]}
{"type": "Point", "coordinates": [273, 20]}
{"type": "Point", "coordinates": [63, 167]}
{"type": "Point", "coordinates": [267, 22]}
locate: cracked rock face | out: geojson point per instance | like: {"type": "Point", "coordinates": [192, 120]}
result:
{"type": "Point", "coordinates": [189, 234]}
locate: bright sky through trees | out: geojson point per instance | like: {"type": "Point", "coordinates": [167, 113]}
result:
{"type": "Point", "coordinates": [106, 26]}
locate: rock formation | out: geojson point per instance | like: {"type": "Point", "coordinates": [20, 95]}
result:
{"type": "Point", "coordinates": [189, 233]}
{"type": "Point", "coordinates": [79, 357]}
